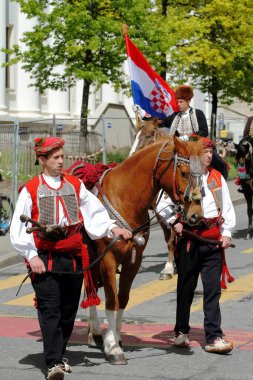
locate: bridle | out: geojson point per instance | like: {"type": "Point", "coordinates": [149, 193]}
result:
{"type": "Point", "coordinates": [177, 160]}
{"type": "Point", "coordinates": [195, 179]}
{"type": "Point", "coordinates": [248, 157]}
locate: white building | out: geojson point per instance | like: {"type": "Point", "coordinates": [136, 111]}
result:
{"type": "Point", "coordinates": [19, 101]}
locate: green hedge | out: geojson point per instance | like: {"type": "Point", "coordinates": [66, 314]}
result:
{"type": "Point", "coordinates": [233, 167]}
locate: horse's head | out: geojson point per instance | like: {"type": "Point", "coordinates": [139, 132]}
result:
{"type": "Point", "coordinates": [244, 153]}
{"type": "Point", "coordinates": [243, 149]}
{"type": "Point", "coordinates": [181, 177]}
{"type": "Point", "coordinates": [148, 132]}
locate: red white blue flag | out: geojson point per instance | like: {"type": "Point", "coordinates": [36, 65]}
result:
{"type": "Point", "coordinates": [150, 91]}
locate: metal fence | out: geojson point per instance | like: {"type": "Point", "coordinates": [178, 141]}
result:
{"type": "Point", "coordinates": [17, 157]}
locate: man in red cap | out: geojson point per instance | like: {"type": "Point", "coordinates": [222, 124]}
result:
{"type": "Point", "coordinates": [196, 257]}
{"type": "Point", "coordinates": [54, 255]}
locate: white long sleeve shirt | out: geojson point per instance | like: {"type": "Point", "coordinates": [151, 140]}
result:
{"type": "Point", "coordinates": [96, 219]}
{"type": "Point", "coordinates": [166, 208]}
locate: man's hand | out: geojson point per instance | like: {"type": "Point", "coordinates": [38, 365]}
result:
{"type": "Point", "coordinates": [141, 112]}
{"type": "Point", "coordinates": [117, 231]}
{"type": "Point", "coordinates": [225, 242]}
{"type": "Point", "coordinates": [178, 228]}
{"type": "Point", "coordinates": [37, 265]}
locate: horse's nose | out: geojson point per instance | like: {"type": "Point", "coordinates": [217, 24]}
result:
{"type": "Point", "coordinates": [194, 218]}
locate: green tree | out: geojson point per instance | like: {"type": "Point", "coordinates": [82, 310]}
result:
{"type": "Point", "coordinates": [215, 48]}
{"type": "Point", "coordinates": [75, 40]}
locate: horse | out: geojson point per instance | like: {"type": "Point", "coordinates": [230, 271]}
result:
{"type": "Point", "coordinates": [244, 159]}
{"type": "Point", "coordinates": [149, 132]}
{"type": "Point", "coordinates": [127, 191]}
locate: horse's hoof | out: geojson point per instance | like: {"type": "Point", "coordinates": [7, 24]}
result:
{"type": "Point", "coordinates": [118, 359]}
{"type": "Point", "coordinates": [165, 276]}
{"type": "Point", "coordinates": [95, 341]}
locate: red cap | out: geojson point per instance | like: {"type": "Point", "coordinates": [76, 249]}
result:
{"type": "Point", "coordinates": [45, 145]}
{"type": "Point", "coordinates": [208, 143]}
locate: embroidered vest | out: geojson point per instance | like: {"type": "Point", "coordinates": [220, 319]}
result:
{"type": "Point", "coordinates": [214, 185]}
{"type": "Point", "coordinates": [185, 126]}
{"type": "Point", "coordinates": [45, 209]}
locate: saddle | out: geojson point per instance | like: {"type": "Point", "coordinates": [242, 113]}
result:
{"type": "Point", "coordinates": [88, 173]}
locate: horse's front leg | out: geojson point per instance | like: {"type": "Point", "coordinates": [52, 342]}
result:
{"type": "Point", "coordinates": [248, 197]}
{"type": "Point", "coordinates": [127, 275]}
{"type": "Point", "coordinates": [95, 338]}
{"type": "Point", "coordinates": [169, 270]}
{"type": "Point", "coordinates": [112, 349]}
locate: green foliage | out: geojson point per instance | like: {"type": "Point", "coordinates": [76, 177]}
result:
{"type": "Point", "coordinates": [216, 47]}
{"type": "Point", "coordinates": [233, 167]}
{"type": "Point", "coordinates": [113, 157]}
{"type": "Point", "coordinates": [75, 40]}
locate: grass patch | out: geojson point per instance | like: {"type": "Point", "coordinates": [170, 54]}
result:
{"type": "Point", "coordinates": [233, 167]}
{"type": "Point", "coordinates": [111, 157]}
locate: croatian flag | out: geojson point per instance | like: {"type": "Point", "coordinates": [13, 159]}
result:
{"type": "Point", "coordinates": [150, 91]}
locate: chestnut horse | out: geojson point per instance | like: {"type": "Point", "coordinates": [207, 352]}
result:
{"type": "Point", "coordinates": [149, 132]}
{"type": "Point", "coordinates": [130, 188]}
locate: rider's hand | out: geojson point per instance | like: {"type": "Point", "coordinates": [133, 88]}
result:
{"type": "Point", "coordinates": [117, 231]}
{"type": "Point", "coordinates": [37, 265]}
{"type": "Point", "coordinates": [141, 112]}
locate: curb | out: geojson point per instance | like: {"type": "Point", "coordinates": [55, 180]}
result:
{"type": "Point", "coordinates": [10, 259]}
{"type": "Point", "coordinates": [238, 201]}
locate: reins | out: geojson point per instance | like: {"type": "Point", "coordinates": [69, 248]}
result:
{"type": "Point", "coordinates": [144, 226]}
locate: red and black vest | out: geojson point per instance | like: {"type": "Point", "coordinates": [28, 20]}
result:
{"type": "Point", "coordinates": [215, 186]}
{"type": "Point", "coordinates": [45, 209]}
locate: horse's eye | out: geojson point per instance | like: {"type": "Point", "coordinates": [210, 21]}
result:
{"type": "Point", "coordinates": [184, 175]}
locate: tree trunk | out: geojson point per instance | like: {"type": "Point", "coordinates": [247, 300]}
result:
{"type": "Point", "coordinates": [163, 55]}
{"type": "Point", "coordinates": [84, 143]}
{"type": "Point", "coordinates": [214, 115]}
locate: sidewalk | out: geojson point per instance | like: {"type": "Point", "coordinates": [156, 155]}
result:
{"type": "Point", "coordinates": [8, 256]}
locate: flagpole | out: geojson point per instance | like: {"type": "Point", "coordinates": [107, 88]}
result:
{"type": "Point", "coordinates": [124, 29]}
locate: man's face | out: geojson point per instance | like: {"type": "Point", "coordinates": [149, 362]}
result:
{"type": "Point", "coordinates": [206, 158]}
{"type": "Point", "coordinates": [53, 163]}
{"type": "Point", "coordinates": [183, 104]}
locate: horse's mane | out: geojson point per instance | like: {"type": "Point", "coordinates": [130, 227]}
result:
{"type": "Point", "coordinates": [183, 148]}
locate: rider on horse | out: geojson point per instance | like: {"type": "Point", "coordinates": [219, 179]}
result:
{"type": "Point", "coordinates": [186, 122]}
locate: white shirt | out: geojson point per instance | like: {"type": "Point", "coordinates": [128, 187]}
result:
{"type": "Point", "coordinates": [96, 219]}
{"type": "Point", "coordinates": [185, 128]}
{"type": "Point", "coordinates": [208, 206]}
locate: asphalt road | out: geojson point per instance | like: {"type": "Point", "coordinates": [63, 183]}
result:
{"type": "Point", "coordinates": [148, 325]}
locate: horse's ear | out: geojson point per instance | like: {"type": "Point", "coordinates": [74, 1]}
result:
{"type": "Point", "coordinates": [179, 145]}
{"type": "Point", "coordinates": [139, 125]}
{"type": "Point", "coordinates": [155, 121]}
{"type": "Point", "coordinates": [236, 145]}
